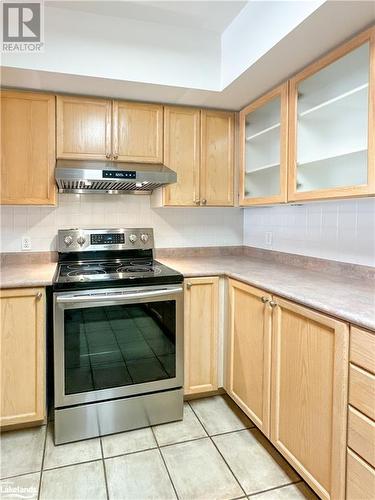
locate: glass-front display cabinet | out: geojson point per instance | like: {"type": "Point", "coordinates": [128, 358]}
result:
{"type": "Point", "coordinates": [331, 124]}
{"type": "Point", "coordinates": [264, 126]}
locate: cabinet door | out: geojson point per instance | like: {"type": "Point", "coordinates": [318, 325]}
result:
{"type": "Point", "coordinates": [27, 148]}
{"type": "Point", "coordinates": [83, 128]}
{"type": "Point", "coordinates": [309, 395]}
{"type": "Point", "coordinates": [137, 132]}
{"type": "Point", "coordinates": [249, 356]}
{"type": "Point", "coordinates": [22, 356]}
{"type": "Point", "coordinates": [332, 145]}
{"type": "Point", "coordinates": [181, 154]}
{"type": "Point", "coordinates": [201, 334]}
{"type": "Point", "coordinates": [264, 151]}
{"type": "Point", "coordinates": [217, 158]}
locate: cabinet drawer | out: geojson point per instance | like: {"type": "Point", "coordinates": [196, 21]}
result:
{"type": "Point", "coordinates": [360, 479]}
{"type": "Point", "coordinates": [362, 348]}
{"type": "Point", "coordinates": [362, 391]}
{"type": "Point", "coordinates": [361, 435]}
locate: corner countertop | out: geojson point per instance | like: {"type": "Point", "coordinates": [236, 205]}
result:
{"type": "Point", "coordinates": [349, 299]}
{"type": "Point", "coordinates": [27, 275]}
{"type": "Point", "coordinates": [352, 300]}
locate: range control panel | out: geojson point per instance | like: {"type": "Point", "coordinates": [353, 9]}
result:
{"type": "Point", "coordinates": [107, 239]}
{"type": "Point", "coordinates": [77, 240]}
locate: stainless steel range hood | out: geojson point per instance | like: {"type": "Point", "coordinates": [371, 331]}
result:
{"type": "Point", "coordinates": [85, 176]}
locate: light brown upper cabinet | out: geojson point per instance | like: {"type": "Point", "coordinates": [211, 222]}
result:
{"type": "Point", "coordinates": [201, 334]}
{"type": "Point", "coordinates": [27, 148]}
{"type": "Point", "coordinates": [89, 128]}
{"type": "Point", "coordinates": [84, 128]}
{"type": "Point", "coordinates": [137, 132]}
{"type": "Point", "coordinates": [264, 149]}
{"type": "Point", "coordinates": [199, 146]}
{"type": "Point", "coordinates": [217, 158]}
{"type": "Point", "coordinates": [249, 352]}
{"type": "Point", "coordinates": [331, 118]}
{"type": "Point", "coordinates": [23, 355]}
{"type": "Point", "coordinates": [182, 154]}
{"type": "Point", "coordinates": [309, 394]}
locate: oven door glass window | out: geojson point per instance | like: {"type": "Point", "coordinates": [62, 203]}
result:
{"type": "Point", "coordinates": [120, 345]}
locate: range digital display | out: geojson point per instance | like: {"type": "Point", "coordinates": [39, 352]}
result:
{"type": "Point", "coordinates": [107, 239]}
{"type": "Point", "coordinates": [119, 174]}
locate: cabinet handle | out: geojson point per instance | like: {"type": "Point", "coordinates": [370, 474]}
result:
{"type": "Point", "coordinates": [197, 202]}
{"type": "Point", "coordinates": [204, 202]}
{"type": "Point", "coordinates": [265, 300]}
{"type": "Point", "coordinates": [108, 156]}
{"type": "Point", "coordinates": [115, 156]}
{"type": "Point", "coordinates": [272, 303]}
{"type": "Point", "coordinates": [39, 295]}
{"type": "Point", "coordinates": [188, 286]}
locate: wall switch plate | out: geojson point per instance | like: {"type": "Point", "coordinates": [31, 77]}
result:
{"type": "Point", "coordinates": [268, 238]}
{"type": "Point", "coordinates": [26, 243]}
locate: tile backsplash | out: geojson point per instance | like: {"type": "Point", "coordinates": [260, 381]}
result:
{"type": "Point", "coordinates": [337, 230]}
{"type": "Point", "coordinates": [174, 227]}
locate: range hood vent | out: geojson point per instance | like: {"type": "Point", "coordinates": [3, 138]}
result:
{"type": "Point", "coordinates": [76, 176]}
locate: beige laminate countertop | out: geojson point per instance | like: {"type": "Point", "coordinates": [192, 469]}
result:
{"type": "Point", "coordinates": [352, 300]}
{"type": "Point", "coordinates": [27, 275]}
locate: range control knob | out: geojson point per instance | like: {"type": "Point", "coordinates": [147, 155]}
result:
{"type": "Point", "coordinates": [144, 237]}
{"type": "Point", "coordinates": [68, 240]}
{"type": "Point", "coordinates": [81, 240]}
{"type": "Point", "coordinates": [133, 238]}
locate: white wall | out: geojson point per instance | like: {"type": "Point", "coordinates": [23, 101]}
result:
{"type": "Point", "coordinates": [82, 43]}
{"type": "Point", "coordinates": [258, 27]}
{"type": "Point", "coordinates": [341, 230]}
{"type": "Point", "coordinates": [174, 227]}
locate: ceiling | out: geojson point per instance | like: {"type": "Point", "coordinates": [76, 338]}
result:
{"type": "Point", "coordinates": [212, 15]}
{"type": "Point", "coordinates": [301, 45]}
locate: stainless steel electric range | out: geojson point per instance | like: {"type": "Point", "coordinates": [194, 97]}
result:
{"type": "Point", "coordinates": [118, 334]}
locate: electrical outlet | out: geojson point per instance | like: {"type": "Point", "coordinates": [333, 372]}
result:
{"type": "Point", "coordinates": [268, 238]}
{"type": "Point", "coordinates": [26, 243]}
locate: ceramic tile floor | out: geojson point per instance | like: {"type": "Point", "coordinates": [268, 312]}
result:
{"type": "Point", "coordinates": [214, 453]}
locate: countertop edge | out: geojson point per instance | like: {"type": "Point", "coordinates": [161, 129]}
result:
{"type": "Point", "coordinates": [304, 300]}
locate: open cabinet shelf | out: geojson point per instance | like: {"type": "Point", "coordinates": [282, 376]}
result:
{"type": "Point", "coordinates": [331, 124]}
{"type": "Point", "coordinates": [333, 100]}
{"type": "Point", "coordinates": [264, 153]}
{"type": "Point", "coordinates": [264, 131]}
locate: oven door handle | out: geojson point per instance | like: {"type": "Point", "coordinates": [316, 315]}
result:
{"type": "Point", "coordinates": [109, 297]}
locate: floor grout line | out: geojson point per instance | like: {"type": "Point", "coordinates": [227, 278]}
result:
{"type": "Point", "coordinates": [159, 448]}
{"type": "Point", "coordinates": [42, 464]}
{"type": "Point", "coordinates": [212, 441]}
{"type": "Point", "coordinates": [104, 469]}
{"type": "Point", "coordinates": [165, 465]}
{"type": "Point", "coordinates": [73, 464]}
{"type": "Point", "coordinates": [276, 488]}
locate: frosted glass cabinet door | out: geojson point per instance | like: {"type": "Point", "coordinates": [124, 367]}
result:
{"type": "Point", "coordinates": [263, 126]}
{"type": "Point", "coordinates": [332, 124]}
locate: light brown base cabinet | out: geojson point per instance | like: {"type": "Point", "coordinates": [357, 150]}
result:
{"type": "Point", "coordinates": [201, 334]}
{"type": "Point", "coordinates": [23, 354]}
{"type": "Point", "coordinates": [287, 368]}
{"type": "Point", "coordinates": [360, 473]}
{"type": "Point", "coordinates": [309, 394]}
{"type": "Point", "coordinates": [249, 352]}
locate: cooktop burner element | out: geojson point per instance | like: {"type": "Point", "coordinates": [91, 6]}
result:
{"type": "Point", "coordinates": [104, 258]}
{"type": "Point", "coordinates": [86, 272]}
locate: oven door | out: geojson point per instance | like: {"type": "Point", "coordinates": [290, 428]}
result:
{"type": "Point", "coordinates": [114, 343]}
